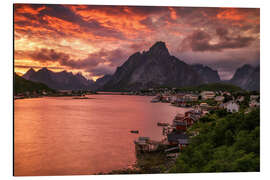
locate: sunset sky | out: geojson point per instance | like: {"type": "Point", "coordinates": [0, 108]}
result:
{"type": "Point", "coordinates": [94, 40]}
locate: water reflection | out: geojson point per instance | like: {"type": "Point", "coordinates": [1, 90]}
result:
{"type": "Point", "coordinates": [62, 136]}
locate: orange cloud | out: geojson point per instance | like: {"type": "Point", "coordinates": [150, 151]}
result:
{"type": "Point", "coordinates": [25, 8]}
{"type": "Point", "coordinates": [230, 14]}
{"type": "Point", "coordinates": [126, 22]}
{"type": "Point", "coordinates": [173, 13]}
{"type": "Point", "coordinates": [80, 30]}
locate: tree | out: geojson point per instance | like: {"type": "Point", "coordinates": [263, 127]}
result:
{"type": "Point", "coordinates": [225, 143]}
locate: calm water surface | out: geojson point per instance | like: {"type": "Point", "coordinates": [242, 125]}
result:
{"type": "Point", "coordinates": [64, 136]}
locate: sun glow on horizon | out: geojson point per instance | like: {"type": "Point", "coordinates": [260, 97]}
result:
{"type": "Point", "coordinates": [95, 40]}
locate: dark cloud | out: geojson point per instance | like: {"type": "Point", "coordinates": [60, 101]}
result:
{"type": "Point", "coordinates": [225, 63]}
{"type": "Point", "coordinates": [147, 10]}
{"type": "Point", "coordinates": [64, 13]}
{"type": "Point", "coordinates": [38, 67]}
{"type": "Point", "coordinates": [116, 57]}
{"type": "Point", "coordinates": [42, 55]}
{"type": "Point", "coordinates": [201, 41]}
{"type": "Point", "coordinates": [113, 58]}
{"type": "Point", "coordinates": [222, 32]}
{"type": "Point", "coordinates": [139, 46]}
{"type": "Point", "coordinates": [223, 38]}
{"type": "Point", "coordinates": [102, 70]}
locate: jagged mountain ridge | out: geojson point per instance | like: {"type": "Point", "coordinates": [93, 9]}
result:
{"type": "Point", "coordinates": [207, 74]}
{"type": "Point", "coordinates": [153, 68]}
{"type": "Point", "coordinates": [247, 77]}
{"type": "Point", "coordinates": [59, 80]}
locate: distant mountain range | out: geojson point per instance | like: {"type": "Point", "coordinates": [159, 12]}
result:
{"type": "Point", "coordinates": [247, 77]}
{"type": "Point", "coordinates": [22, 85]}
{"type": "Point", "coordinates": [207, 74]}
{"type": "Point", "coordinates": [152, 68]}
{"type": "Point", "coordinates": [59, 80]}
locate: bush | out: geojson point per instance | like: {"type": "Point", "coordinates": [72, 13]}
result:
{"type": "Point", "coordinates": [226, 143]}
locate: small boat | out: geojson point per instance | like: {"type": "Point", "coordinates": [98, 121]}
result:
{"type": "Point", "coordinates": [162, 124]}
{"type": "Point", "coordinates": [134, 131]}
{"type": "Point", "coordinates": [80, 97]}
{"type": "Point", "coordinates": [155, 100]}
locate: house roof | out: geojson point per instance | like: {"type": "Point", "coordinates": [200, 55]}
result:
{"type": "Point", "coordinates": [179, 123]}
{"type": "Point", "coordinates": [192, 117]}
{"type": "Point", "coordinates": [194, 112]}
{"type": "Point", "coordinates": [179, 116]}
{"type": "Point", "coordinates": [190, 111]}
{"type": "Point", "coordinates": [175, 136]}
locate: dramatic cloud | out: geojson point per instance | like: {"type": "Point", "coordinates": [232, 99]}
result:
{"type": "Point", "coordinates": [95, 63]}
{"type": "Point", "coordinates": [95, 40]}
{"type": "Point", "coordinates": [202, 41]}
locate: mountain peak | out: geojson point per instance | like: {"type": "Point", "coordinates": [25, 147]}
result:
{"type": "Point", "coordinates": [29, 73]}
{"type": "Point", "coordinates": [159, 48]}
{"type": "Point", "coordinates": [207, 74]}
{"type": "Point", "coordinates": [246, 66]}
{"type": "Point", "coordinates": [247, 77]}
{"type": "Point", "coordinates": [44, 69]}
{"type": "Point", "coordinates": [31, 70]}
{"type": "Point", "coordinates": [65, 72]}
{"type": "Point", "coordinates": [79, 74]}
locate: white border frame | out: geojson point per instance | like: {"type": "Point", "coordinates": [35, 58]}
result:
{"type": "Point", "coordinates": [6, 136]}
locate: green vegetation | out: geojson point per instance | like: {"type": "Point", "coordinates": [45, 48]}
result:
{"type": "Point", "coordinates": [153, 162]}
{"type": "Point", "coordinates": [211, 87]}
{"type": "Point", "coordinates": [226, 143]}
{"type": "Point", "coordinates": [210, 102]}
{"type": "Point", "coordinates": [149, 163]}
{"type": "Point", "coordinates": [22, 85]}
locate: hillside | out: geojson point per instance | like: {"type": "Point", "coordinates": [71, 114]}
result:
{"type": "Point", "coordinates": [22, 85]}
{"type": "Point", "coordinates": [212, 87]}
{"type": "Point", "coordinates": [247, 77]}
{"type": "Point", "coordinates": [207, 74]}
{"type": "Point", "coordinates": [226, 143]}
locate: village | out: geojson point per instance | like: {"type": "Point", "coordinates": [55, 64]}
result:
{"type": "Point", "coordinates": [78, 94]}
{"type": "Point", "coordinates": [175, 134]}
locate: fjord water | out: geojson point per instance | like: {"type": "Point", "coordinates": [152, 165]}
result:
{"type": "Point", "coordinates": [65, 136]}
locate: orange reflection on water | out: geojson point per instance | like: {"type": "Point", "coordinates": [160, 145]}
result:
{"type": "Point", "coordinates": [65, 136]}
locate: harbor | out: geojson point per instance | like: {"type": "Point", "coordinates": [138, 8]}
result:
{"type": "Point", "coordinates": [174, 134]}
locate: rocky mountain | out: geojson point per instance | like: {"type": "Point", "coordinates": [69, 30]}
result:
{"type": "Point", "coordinates": [102, 81]}
{"type": "Point", "coordinates": [207, 74]}
{"type": "Point", "coordinates": [29, 73]}
{"type": "Point", "coordinates": [22, 85]}
{"type": "Point", "coordinates": [247, 77]}
{"type": "Point", "coordinates": [59, 80]}
{"type": "Point", "coordinates": [153, 68]}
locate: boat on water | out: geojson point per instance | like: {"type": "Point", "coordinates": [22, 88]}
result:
{"type": "Point", "coordinates": [155, 100]}
{"type": "Point", "coordinates": [134, 131]}
{"type": "Point", "coordinates": [83, 97]}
